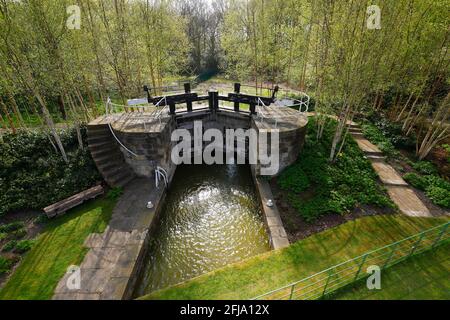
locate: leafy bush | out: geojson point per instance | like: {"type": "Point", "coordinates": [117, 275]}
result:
{"type": "Point", "coordinates": [416, 180]}
{"type": "Point", "coordinates": [33, 175]}
{"type": "Point", "coordinates": [294, 179]}
{"type": "Point", "coordinates": [375, 136]}
{"type": "Point", "coordinates": [391, 131]}
{"type": "Point", "coordinates": [18, 234]}
{"type": "Point", "coordinates": [439, 196]}
{"type": "Point", "coordinates": [114, 193]}
{"type": "Point", "coordinates": [9, 246]}
{"type": "Point", "coordinates": [3, 236]}
{"type": "Point", "coordinates": [13, 226]}
{"type": "Point", "coordinates": [336, 188]}
{"type": "Point", "coordinates": [425, 167]}
{"type": "Point", "coordinates": [23, 246]}
{"type": "Point", "coordinates": [436, 188]}
{"type": "Point", "coordinates": [5, 265]}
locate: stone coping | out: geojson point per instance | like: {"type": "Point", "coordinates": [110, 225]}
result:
{"type": "Point", "coordinates": [277, 233]}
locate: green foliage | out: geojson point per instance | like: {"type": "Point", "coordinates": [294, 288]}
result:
{"type": "Point", "coordinates": [436, 188]}
{"type": "Point", "coordinates": [3, 236]}
{"type": "Point", "coordinates": [33, 175]}
{"type": "Point", "coordinates": [391, 132]}
{"type": "Point", "coordinates": [13, 226]}
{"type": "Point", "coordinates": [447, 148]}
{"type": "Point", "coordinates": [9, 246]}
{"type": "Point", "coordinates": [439, 196]}
{"type": "Point", "coordinates": [24, 245]}
{"type": "Point", "coordinates": [416, 180]}
{"type": "Point", "coordinates": [19, 234]}
{"type": "Point", "coordinates": [114, 193]}
{"type": "Point", "coordinates": [5, 265]}
{"type": "Point", "coordinates": [335, 188]}
{"type": "Point", "coordinates": [372, 133]}
{"type": "Point", "coordinates": [425, 167]}
{"type": "Point", "coordinates": [294, 179]}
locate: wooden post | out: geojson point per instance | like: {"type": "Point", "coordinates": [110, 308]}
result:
{"type": "Point", "coordinates": [213, 100]}
{"type": "Point", "coordinates": [252, 108]}
{"type": "Point", "coordinates": [172, 108]}
{"type": "Point", "coordinates": [237, 89]}
{"type": "Point", "coordinates": [187, 89]}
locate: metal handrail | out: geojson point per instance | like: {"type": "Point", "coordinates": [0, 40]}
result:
{"type": "Point", "coordinates": [411, 249]}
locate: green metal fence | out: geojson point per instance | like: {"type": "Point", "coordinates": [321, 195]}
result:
{"type": "Point", "coordinates": [340, 275]}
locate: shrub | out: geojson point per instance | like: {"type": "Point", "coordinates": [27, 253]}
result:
{"type": "Point", "coordinates": [332, 188]}
{"type": "Point", "coordinates": [439, 196]}
{"type": "Point", "coordinates": [3, 236]}
{"type": "Point", "coordinates": [372, 133]}
{"type": "Point", "coordinates": [18, 234]}
{"type": "Point", "coordinates": [5, 265]}
{"type": "Point", "coordinates": [9, 246]}
{"type": "Point", "coordinates": [13, 226]}
{"type": "Point", "coordinates": [416, 180]}
{"type": "Point", "coordinates": [33, 175]}
{"type": "Point", "coordinates": [425, 167]}
{"type": "Point", "coordinates": [294, 179]}
{"type": "Point", "coordinates": [114, 193]}
{"type": "Point", "coordinates": [23, 246]}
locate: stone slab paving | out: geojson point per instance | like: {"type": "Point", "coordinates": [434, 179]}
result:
{"type": "Point", "coordinates": [399, 191]}
{"type": "Point", "coordinates": [407, 201]}
{"type": "Point", "coordinates": [110, 266]}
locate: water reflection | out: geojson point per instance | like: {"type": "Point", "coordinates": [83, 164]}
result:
{"type": "Point", "coordinates": [211, 218]}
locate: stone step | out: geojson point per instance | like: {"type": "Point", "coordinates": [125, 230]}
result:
{"type": "Point", "coordinates": [376, 157]}
{"type": "Point", "coordinates": [355, 129]}
{"type": "Point", "coordinates": [98, 129]}
{"type": "Point", "coordinates": [106, 149]}
{"type": "Point", "coordinates": [121, 179]}
{"type": "Point", "coordinates": [95, 146]}
{"type": "Point", "coordinates": [104, 159]}
{"type": "Point", "coordinates": [356, 134]}
{"type": "Point", "coordinates": [100, 138]}
{"type": "Point", "coordinates": [114, 170]}
{"type": "Point", "coordinates": [110, 165]}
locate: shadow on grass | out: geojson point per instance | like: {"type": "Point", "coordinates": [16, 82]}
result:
{"type": "Point", "coordinates": [59, 246]}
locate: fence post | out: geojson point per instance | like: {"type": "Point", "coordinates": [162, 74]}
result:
{"type": "Point", "coordinates": [187, 89]}
{"type": "Point", "coordinates": [438, 238]}
{"type": "Point", "coordinates": [360, 267]}
{"type": "Point", "coordinates": [414, 247]}
{"type": "Point", "coordinates": [394, 246]}
{"type": "Point", "coordinates": [326, 284]}
{"type": "Point", "coordinates": [237, 89]}
{"type": "Point", "coordinates": [292, 292]}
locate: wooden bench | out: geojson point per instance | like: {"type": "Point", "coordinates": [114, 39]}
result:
{"type": "Point", "coordinates": [62, 206]}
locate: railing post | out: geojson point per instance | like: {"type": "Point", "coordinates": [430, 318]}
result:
{"type": "Point", "coordinates": [292, 292]}
{"type": "Point", "coordinates": [394, 246]}
{"type": "Point", "coordinates": [213, 100]}
{"type": "Point", "coordinates": [414, 247]}
{"type": "Point", "coordinates": [252, 108]}
{"type": "Point", "coordinates": [187, 89]}
{"type": "Point", "coordinates": [360, 267]}
{"type": "Point", "coordinates": [237, 89]}
{"type": "Point", "coordinates": [438, 238]}
{"type": "Point", "coordinates": [172, 108]}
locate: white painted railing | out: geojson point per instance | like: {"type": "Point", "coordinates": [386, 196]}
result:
{"type": "Point", "coordinates": [161, 174]}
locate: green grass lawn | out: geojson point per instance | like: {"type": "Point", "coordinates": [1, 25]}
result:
{"type": "Point", "coordinates": [274, 269]}
{"type": "Point", "coordinates": [425, 276]}
{"type": "Point", "coordinates": [59, 246]}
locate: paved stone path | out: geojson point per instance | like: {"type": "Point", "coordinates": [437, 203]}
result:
{"type": "Point", "coordinates": [110, 267]}
{"type": "Point", "coordinates": [399, 191]}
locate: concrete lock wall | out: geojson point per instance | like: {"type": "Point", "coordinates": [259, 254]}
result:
{"type": "Point", "coordinates": [154, 148]}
